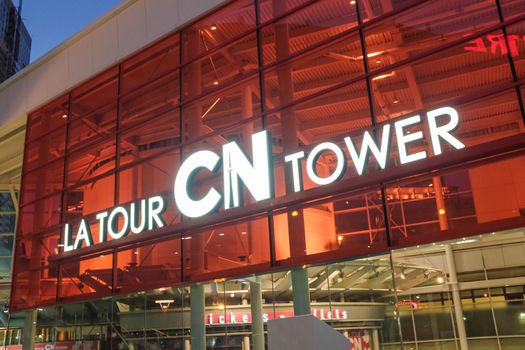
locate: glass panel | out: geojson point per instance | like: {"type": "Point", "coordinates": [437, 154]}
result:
{"type": "Point", "coordinates": [40, 215]}
{"type": "Point", "coordinates": [45, 150]}
{"type": "Point", "coordinates": [43, 181]}
{"type": "Point", "coordinates": [93, 111]}
{"type": "Point", "coordinates": [214, 30]}
{"type": "Point", "coordinates": [91, 162]}
{"type": "Point", "coordinates": [154, 63]}
{"type": "Point", "coordinates": [48, 118]}
{"type": "Point", "coordinates": [90, 278]}
{"type": "Point", "coordinates": [350, 226]}
{"type": "Point", "coordinates": [314, 72]}
{"type": "Point", "coordinates": [308, 27]}
{"type": "Point", "coordinates": [229, 248]}
{"type": "Point", "coordinates": [220, 110]}
{"type": "Point", "coordinates": [150, 266]}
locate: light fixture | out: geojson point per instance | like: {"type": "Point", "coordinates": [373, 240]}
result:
{"type": "Point", "coordinates": [64, 116]}
{"type": "Point", "coordinates": [403, 276]}
{"type": "Point", "coordinates": [295, 213]}
{"type": "Point", "coordinates": [395, 100]}
{"type": "Point", "coordinates": [213, 27]}
{"type": "Point", "coordinates": [374, 54]}
{"type": "Point", "coordinates": [221, 234]}
{"type": "Point", "coordinates": [442, 211]}
{"type": "Point", "coordinates": [440, 279]}
{"type": "Point", "coordinates": [244, 233]}
{"type": "Point", "coordinates": [164, 303]}
{"type": "Point", "coordinates": [352, 2]}
{"type": "Point", "coordinates": [216, 82]}
{"type": "Point", "coordinates": [383, 76]}
{"type": "Point", "coordinates": [232, 295]}
{"type": "Point", "coordinates": [136, 253]}
{"type": "Point", "coordinates": [522, 314]}
{"type": "Point", "coordinates": [378, 61]}
{"type": "Point", "coordinates": [340, 239]}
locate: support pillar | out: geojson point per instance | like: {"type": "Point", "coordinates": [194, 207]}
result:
{"type": "Point", "coordinates": [375, 339]}
{"type": "Point", "coordinates": [28, 340]}
{"type": "Point", "coordinates": [456, 297]}
{"type": "Point", "coordinates": [300, 292]}
{"type": "Point", "coordinates": [257, 315]}
{"type": "Point", "coordinates": [198, 329]}
{"type": "Point", "coordinates": [187, 345]}
{"type": "Point", "coordinates": [246, 343]}
{"type": "Point", "coordinates": [440, 203]}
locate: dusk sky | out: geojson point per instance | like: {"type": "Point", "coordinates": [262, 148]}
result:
{"type": "Point", "coordinates": [50, 22]}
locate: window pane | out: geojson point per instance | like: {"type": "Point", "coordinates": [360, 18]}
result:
{"type": "Point", "coordinates": [235, 19]}
{"type": "Point", "coordinates": [307, 27]}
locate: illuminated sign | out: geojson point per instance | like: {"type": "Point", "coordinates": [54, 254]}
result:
{"type": "Point", "coordinates": [496, 44]}
{"type": "Point", "coordinates": [256, 174]}
{"type": "Point", "coordinates": [246, 317]}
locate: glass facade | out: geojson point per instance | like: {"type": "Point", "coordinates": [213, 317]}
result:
{"type": "Point", "coordinates": [308, 72]}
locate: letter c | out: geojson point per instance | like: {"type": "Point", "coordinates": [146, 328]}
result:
{"type": "Point", "coordinates": [190, 207]}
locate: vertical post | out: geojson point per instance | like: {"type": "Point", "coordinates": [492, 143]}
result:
{"type": "Point", "coordinates": [28, 342]}
{"type": "Point", "coordinates": [257, 315]}
{"type": "Point", "coordinates": [187, 345]}
{"type": "Point", "coordinates": [246, 343]}
{"type": "Point", "coordinates": [375, 339]}
{"type": "Point", "coordinates": [198, 329]}
{"type": "Point", "coordinates": [300, 292]}
{"type": "Point", "coordinates": [440, 203]}
{"type": "Point", "coordinates": [456, 298]}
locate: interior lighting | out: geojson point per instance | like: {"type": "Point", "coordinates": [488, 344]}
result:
{"type": "Point", "coordinates": [440, 279]}
{"type": "Point", "coordinates": [442, 211]}
{"type": "Point", "coordinates": [216, 82]}
{"type": "Point", "coordinates": [211, 107]}
{"type": "Point", "coordinates": [522, 314]}
{"type": "Point", "coordinates": [403, 276]}
{"type": "Point", "coordinates": [340, 239]}
{"type": "Point", "coordinates": [352, 2]}
{"type": "Point", "coordinates": [221, 234]}
{"type": "Point", "coordinates": [164, 303]}
{"type": "Point", "coordinates": [213, 27]}
{"type": "Point", "coordinates": [295, 213]}
{"type": "Point", "coordinates": [244, 233]}
{"type": "Point", "coordinates": [64, 116]}
{"type": "Point", "coordinates": [373, 54]}
{"type": "Point", "coordinates": [232, 295]}
{"type": "Point", "coordinates": [383, 76]}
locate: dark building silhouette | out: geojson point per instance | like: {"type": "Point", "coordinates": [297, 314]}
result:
{"type": "Point", "coordinates": [15, 41]}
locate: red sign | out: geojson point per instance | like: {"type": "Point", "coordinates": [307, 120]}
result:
{"type": "Point", "coordinates": [73, 345]}
{"type": "Point", "coordinates": [496, 44]}
{"type": "Point", "coordinates": [359, 340]}
{"type": "Point", "coordinates": [246, 316]}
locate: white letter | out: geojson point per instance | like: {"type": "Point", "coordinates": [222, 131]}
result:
{"type": "Point", "coordinates": [296, 169]}
{"type": "Point", "coordinates": [155, 212]}
{"type": "Point", "coordinates": [403, 139]}
{"type": "Point", "coordinates": [443, 131]}
{"type": "Point", "coordinates": [101, 226]}
{"type": "Point", "coordinates": [67, 238]}
{"type": "Point", "coordinates": [361, 160]}
{"type": "Point", "coordinates": [312, 160]}
{"type": "Point", "coordinates": [182, 189]}
{"type": "Point", "coordinates": [83, 234]}
{"type": "Point", "coordinates": [256, 177]}
{"type": "Point", "coordinates": [134, 215]}
{"type": "Point", "coordinates": [113, 223]}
